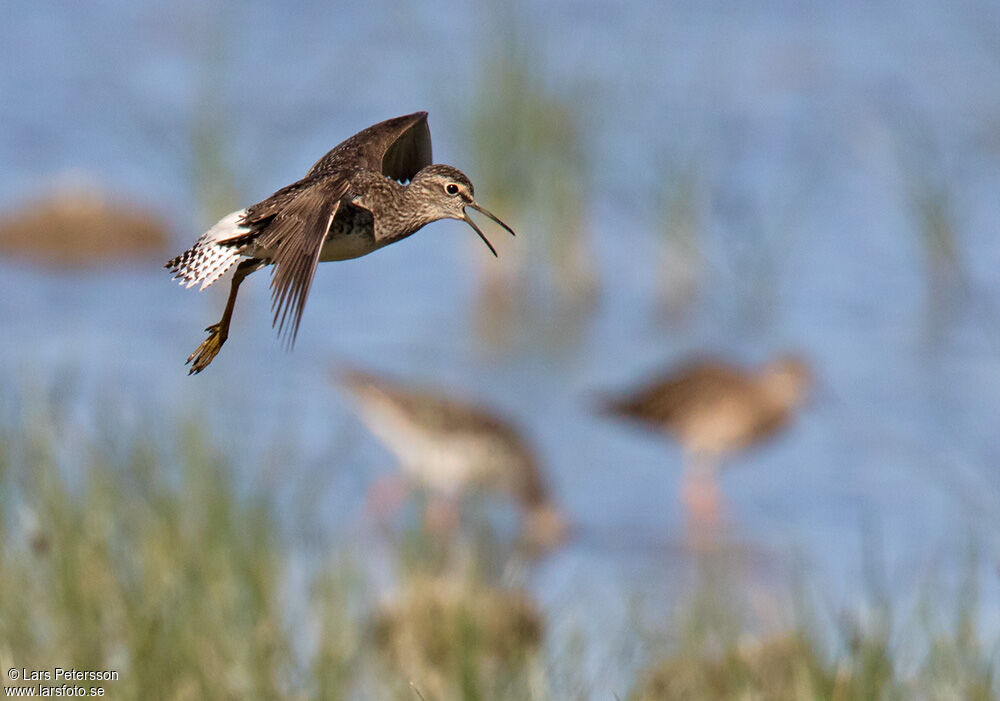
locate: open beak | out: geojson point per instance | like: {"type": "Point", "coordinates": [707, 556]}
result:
{"type": "Point", "coordinates": [479, 231]}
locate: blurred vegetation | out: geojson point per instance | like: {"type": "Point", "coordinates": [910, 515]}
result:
{"type": "Point", "coordinates": [682, 258]}
{"type": "Point", "coordinates": [929, 201]}
{"type": "Point", "coordinates": [214, 176]}
{"type": "Point", "coordinates": [163, 574]}
{"type": "Point", "coordinates": [459, 639]}
{"type": "Point", "coordinates": [527, 142]}
{"type": "Point", "coordinates": [77, 225]}
{"type": "Point", "coordinates": [147, 556]}
{"type": "Point", "coordinates": [872, 652]}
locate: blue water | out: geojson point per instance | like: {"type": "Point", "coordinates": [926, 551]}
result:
{"type": "Point", "coordinates": [805, 121]}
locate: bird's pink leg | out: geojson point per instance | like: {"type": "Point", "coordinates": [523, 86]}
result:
{"type": "Point", "coordinates": [386, 496]}
{"type": "Point", "coordinates": [702, 500]}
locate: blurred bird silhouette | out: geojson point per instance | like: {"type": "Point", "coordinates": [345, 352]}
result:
{"type": "Point", "coordinates": [452, 447]}
{"type": "Point", "coordinates": [714, 409]}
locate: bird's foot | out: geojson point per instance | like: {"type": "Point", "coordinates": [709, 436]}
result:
{"type": "Point", "coordinates": [209, 348]}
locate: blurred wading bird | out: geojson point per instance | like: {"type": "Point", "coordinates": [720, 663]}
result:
{"type": "Point", "coordinates": [713, 409]}
{"type": "Point", "coordinates": [351, 202]}
{"type": "Point", "coordinates": [452, 447]}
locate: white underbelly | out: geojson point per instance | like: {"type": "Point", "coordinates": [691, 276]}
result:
{"type": "Point", "coordinates": [346, 246]}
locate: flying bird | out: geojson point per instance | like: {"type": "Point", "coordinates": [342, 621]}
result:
{"type": "Point", "coordinates": [375, 188]}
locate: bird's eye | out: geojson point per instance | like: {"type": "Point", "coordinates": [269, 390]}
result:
{"type": "Point", "coordinates": [451, 189]}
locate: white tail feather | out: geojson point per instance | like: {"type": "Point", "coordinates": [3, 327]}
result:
{"type": "Point", "coordinates": [206, 261]}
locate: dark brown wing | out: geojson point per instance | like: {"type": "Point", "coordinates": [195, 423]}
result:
{"type": "Point", "coordinates": [259, 215]}
{"type": "Point", "coordinates": [295, 222]}
{"type": "Point", "coordinates": [410, 152]}
{"type": "Point", "coordinates": [397, 147]}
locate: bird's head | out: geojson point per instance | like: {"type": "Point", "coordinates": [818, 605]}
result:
{"type": "Point", "coordinates": [445, 193]}
{"type": "Point", "coordinates": [788, 378]}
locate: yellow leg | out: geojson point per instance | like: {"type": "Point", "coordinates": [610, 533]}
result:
{"type": "Point", "coordinates": [219, 332]}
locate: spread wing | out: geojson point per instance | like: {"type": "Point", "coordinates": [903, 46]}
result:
{"type": "Point", "coordinates": [397, 147]}
{"type": "Point", "coordinates": [409, 152]}
{"type": "Point", "coordinates": [294, 223]}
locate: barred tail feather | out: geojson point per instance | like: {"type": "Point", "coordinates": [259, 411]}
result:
{"type": "Point", "coordinates": [211, 255]}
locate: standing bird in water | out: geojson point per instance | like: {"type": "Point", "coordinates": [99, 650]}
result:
{"type": "Point", "coordinates": [373, 189]}
{"type": "Point", "coordinates": [714, 409]}
{"type": "Point", "coordinates": [453, 447]}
